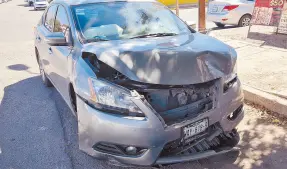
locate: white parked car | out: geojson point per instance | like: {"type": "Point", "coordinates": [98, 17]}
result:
{"type": "Point", "coordinates": [40, 4]}
{"type": "Point", "coordinates": [230, 12]}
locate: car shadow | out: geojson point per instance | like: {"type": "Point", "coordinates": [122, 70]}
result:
{"type": "Point", "coordinates": [222, 28]}
{"type": "Point", "coordinates": [37, 10]}
{"type": "Point", "coordinates": [24, 5]}
{"type": "Point", "coordinates": [30, 130]}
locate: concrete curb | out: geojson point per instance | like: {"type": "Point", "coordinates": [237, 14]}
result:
{"type": "Point", "coordinates": [269, 101]}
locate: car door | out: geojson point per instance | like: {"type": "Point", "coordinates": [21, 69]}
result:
{"type": "Point", "coordinates": [249, 5]}
{"type": "Point", "coordinates": [44, 30]}
{"type": "Point", "coordinates": [59, 54]}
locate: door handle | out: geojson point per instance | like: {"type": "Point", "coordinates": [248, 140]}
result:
{"type": "Point", "coordinates": [50, 50]}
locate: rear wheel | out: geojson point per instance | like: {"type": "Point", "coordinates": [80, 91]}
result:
{"type": "Point", "coordinates": [244, 21]}
{"type": "Point", "coordinates": [220, 25]}
{"type": "Point", "coordinates": [73, 99]}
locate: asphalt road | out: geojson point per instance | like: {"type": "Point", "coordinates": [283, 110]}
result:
{"type": "Point", "coordinates": [38, 131]}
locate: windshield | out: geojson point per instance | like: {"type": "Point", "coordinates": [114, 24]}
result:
{"type": "Point", "coordinates": [40, 0]}
{"type": "Point", "coordinates": [126, 20]}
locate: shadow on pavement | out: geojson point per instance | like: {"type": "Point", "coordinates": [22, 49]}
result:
{"type": "Point", "coordinates": [226, 27]}
{"type": "Point", "coordinates": [18, 67]}
{"type": "Point", "coordinates": [82, 160]}
{"type": "Point", "coordinates": [274, 40]}
{"type": "Point", "coordinates": [31, 134]}
{"type": "Point", "coordinates": [24, 5]}
{"type": "Point", "coordinates": [263, 141]}
{"type": "Point", "coordinates": [37, 9]}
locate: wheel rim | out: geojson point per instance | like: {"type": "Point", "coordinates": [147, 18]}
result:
{"type": "Point", "coordinates": [246, 22]}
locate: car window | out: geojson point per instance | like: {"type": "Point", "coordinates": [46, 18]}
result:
{"type": "Point", "coordinates": [50, 18]}
{"type": "Point", "coordinates": [61, 22]}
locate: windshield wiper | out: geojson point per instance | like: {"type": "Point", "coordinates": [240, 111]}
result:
{"type": "Point", "coordinates": [154, 35]}
{"type": "Point", "coordinates": [96, 39]}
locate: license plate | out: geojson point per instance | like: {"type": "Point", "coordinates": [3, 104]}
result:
{"type": "Point", "coordinates": [195, 128]}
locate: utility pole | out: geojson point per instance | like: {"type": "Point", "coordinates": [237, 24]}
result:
{"type": "Point", "coordinates": [201, 16]}
{"type": "Point", "coordinates": [177, 7]}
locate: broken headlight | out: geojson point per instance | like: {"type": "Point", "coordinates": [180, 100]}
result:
{"type": "Point", "coordinates": [230, 80]}
{"type": "Point", "coordinates": [112, 98]}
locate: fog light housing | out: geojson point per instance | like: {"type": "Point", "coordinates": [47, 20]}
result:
{"type": "Point", "coordinates": [131, 150]}
{"type": "Point", "coordinates": [234, 115]}
{"type": "Point", "coordinates": [114, 149]}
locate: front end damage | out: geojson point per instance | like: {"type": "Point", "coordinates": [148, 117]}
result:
{"type": "Point", "coordinates": [164, 133]}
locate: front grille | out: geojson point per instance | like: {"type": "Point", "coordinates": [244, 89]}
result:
{"type": "Point", "coordinates": [179, 103]}
{"type": "Point", "coordinates": [213, 139]}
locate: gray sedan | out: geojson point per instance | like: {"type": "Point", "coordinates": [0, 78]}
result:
{"type": "Point", "coordinates": [146, 89]}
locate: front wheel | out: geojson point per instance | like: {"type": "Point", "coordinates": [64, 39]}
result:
{"type": "Point", "coordinates": [244, 21]}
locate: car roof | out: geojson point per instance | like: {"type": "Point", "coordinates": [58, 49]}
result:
{"type": "Point", "coordinates": [79, 2]}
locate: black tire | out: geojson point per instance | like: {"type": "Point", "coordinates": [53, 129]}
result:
{"type": "Point", "coordinates": [44, 77]}
{"type": "Point", "coordinates": [220, 25]}
{"type": "Point", "coordinates": [73, 99]}
{"type": "Point", "coordinates": [244, 20]}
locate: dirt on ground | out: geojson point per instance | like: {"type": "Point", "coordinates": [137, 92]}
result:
{"type": "Point", "coordinates": [263, 142]}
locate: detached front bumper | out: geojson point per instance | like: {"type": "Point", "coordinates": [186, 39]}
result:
{"type": "Point", "coordinates": [150, 134]}
{"type": "Point", "coordinates": [194, 157]}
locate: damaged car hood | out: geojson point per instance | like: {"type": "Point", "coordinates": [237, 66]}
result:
{"type": "Point", "coordinates": [176, 60]}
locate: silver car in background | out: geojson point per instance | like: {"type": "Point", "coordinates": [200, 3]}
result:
{"type": "Point", "coordinates": [146, 89]}
{"type": "Point", "coordinates": [40, 4]}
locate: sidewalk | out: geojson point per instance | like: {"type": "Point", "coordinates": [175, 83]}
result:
{"type": "Point", "coordinates": [260, 64]}
{"type": "Point", "coordinates": [262, 57]}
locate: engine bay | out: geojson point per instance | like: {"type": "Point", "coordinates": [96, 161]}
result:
{"type": "Point", "coordinates": [174, 103]}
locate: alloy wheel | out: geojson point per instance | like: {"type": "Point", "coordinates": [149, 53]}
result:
{"type": "Point", "coordinates": [246, 22]}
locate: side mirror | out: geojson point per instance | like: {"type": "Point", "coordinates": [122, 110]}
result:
{"type": "Point", "coordinates": [56, 39]}
{"type": "Point", "coordinates": [191, 24]}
